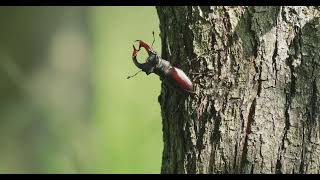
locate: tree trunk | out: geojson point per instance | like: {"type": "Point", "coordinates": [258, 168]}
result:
{"type": "Point", "coordinates": [256, 76]}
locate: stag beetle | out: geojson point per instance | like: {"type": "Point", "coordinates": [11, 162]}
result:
{"type": "Point", "coordinates": [163, 68]}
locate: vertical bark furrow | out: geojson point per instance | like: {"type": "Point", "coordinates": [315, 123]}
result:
{"type": "Point", "coordinates": [251, 116]}
{"type": "Point", "coordinates": [254, 40]}
{"type": "Point", "coordinates": [314, 103]}
{"type": "Point", "coordinates": [274, 60]}
{"type": "Point", "coordinates": [243, 161]}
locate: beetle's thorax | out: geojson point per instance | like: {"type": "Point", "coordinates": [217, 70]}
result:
{"type": "Point", "coordinates": [163, 66]}
{"type": "Point", "coordinates": [155, 64]}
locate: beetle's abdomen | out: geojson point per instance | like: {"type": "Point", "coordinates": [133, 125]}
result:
{"type": "Point", "coordinates": [181, 79]}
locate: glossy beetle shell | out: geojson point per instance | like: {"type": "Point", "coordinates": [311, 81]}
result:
{"type": "Point", "coordinates": [181, 79]}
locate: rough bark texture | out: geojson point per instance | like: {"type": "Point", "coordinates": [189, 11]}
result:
{"type": "Point", "coordinates": [256, 74]}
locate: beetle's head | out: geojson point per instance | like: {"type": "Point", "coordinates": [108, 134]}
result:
{"type": "Point", "coordinates": [151, 61]}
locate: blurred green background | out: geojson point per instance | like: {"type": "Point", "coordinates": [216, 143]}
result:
{"type": "Point", "coordinates": [66, 105]}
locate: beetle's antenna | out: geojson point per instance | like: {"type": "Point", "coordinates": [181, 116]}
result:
{"type": "Point", "coordinates": [153, 39]}
{"type": "Point", "coordinates": [134, 74]}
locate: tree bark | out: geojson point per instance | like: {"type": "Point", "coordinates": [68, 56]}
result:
{"type": "Point", "coordinates": [256, 76]}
